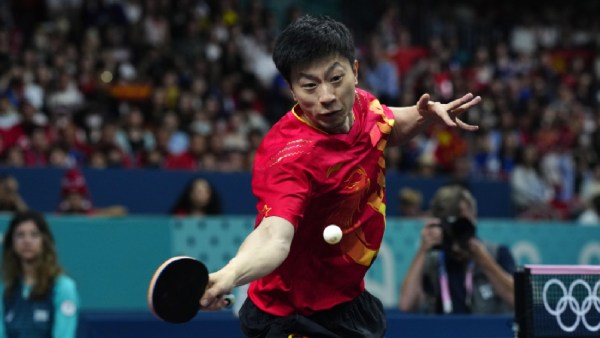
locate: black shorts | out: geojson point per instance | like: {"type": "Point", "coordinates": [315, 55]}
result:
{"type": "Point", "coordinates": [362, 317]}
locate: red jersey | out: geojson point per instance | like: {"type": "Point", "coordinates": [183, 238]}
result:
{"type": "Point", "coordinates": [314, 179]}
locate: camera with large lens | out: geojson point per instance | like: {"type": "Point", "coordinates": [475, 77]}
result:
{"type": "Point", "coordinates": [457, 230]}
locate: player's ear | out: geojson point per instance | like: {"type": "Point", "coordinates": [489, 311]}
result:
{"type": "Point", "coordinates": [293, 95]}
{"type": "Point", "coordinates": [355, 71]}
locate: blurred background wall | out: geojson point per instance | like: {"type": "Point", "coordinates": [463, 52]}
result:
{"type": "Point", "coordinates": [113, 260]}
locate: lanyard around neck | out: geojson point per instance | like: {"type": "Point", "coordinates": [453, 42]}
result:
{"type": "Point", "coordinates": [445, 286]}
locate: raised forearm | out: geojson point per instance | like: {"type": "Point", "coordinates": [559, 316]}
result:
{"type": "Point", "coordinates": [408, 123]}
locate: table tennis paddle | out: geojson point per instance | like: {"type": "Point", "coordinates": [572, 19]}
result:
{"type": "Point", "coordinates": [176, 288]}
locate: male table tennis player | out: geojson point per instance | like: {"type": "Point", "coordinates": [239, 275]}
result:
{"type": "Point", "coordinates": [322, 163]}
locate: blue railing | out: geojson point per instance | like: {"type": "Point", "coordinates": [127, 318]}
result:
{"type": "Point", "coordinates": [145, 191]}
{"type": "Point", "coordinates": [226, 325]}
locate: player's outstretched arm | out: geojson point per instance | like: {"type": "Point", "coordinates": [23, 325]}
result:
{"type": "Point", "coordinates": [409, 121]}
{"type": "Point", "coordinates": [265, 248]}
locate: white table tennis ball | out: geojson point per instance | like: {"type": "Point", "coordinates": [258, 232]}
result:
{"type": "Point", "coordinates": [332, 234]}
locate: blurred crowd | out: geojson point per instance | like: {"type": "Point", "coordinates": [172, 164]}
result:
{"type": "Point", "coordinates": [190, 85]}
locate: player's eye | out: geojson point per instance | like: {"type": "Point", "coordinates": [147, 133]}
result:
{"type": "Point", "coordinates": [308, 86]}
{"type": "Point", "coordinates": [336, 78]}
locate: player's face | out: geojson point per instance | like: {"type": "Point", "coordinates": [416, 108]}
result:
{"type": "Point", "coordinates": [27, 241]}
{"type": "Point", "coordinates": [325, 91]}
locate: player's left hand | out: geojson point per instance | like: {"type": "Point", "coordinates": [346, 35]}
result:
{"type": "Point", "coordinates": [448, 112]}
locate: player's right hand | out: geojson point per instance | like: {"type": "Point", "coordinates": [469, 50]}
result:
{"type": "Point", "coordinates": [219, 285]}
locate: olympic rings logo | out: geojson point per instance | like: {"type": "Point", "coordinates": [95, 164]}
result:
{"type": "Point", "coordinates": [567, 299]}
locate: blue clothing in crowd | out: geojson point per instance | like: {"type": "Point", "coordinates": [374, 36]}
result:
{"type": "Point", "coordinates": [55, 316]}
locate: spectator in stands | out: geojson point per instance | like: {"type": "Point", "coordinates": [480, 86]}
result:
{"type": "Point", "coordinates": [108, 144]}
{"type": "Point", "coordinates": [380, 74]}
{"type": "Point", "coordinates": [76, 200]}
{"type": "Point", "coordinates": [66, 98]}
{"type": "Point", "coordinates": [98, 160]}
{"type": "Point", "coordinates": [135, 137]}
{"type": "Point", "coordinates": [31, 118]}
{"type": "Point", "coordinates": [10, 198]}
{"type": "Point", "coordinates": [591, 213]}
{"type": "Point", "coordinates": [74, 139]}
{"type": "Point", "coordinates": [453, 270]}
{"type": "Point", "coordinates": [172, 138]}
{"type": "Point", "coordinates": [75, 196]}
{"type": "Point", "coordinates": [10, 127]}
{"type": "Point", "coordinates": [199, 198]}
{"type": "Point", "coordinates": [410, 203]}
{"type": "Point", "coordinates": [590, 184]}
{"type": "Point", "coordinates": [39, 300]}
{"type": "Point", "coordinates": [59, 157]}
{"type": "Point", "coordinates": [14, 157]}
{"type": "Point", "coordinates": [426, 165]}
{"type": "Point", "coordinates": [189, 159]}
{"type": "Point", "coordinates": [37, 148]}
{"type": "Point", "coordinates": [531, 194]}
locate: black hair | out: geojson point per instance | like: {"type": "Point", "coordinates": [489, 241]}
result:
{"type": "Point", "coordinates": [311, 38]}
{"type": "Point", "coordinates": [183, 204]}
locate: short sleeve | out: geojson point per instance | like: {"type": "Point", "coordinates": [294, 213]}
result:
{"type": "Point", "coordinates": [66, 308]}
{"type": "Point", "coordinates": [282, 190]}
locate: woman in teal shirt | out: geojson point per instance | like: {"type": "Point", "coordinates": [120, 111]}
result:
{"type": "Point", "coordinates": [38, 299]}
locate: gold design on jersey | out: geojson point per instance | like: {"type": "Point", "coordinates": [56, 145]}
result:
{"type": "Point", "coordinates": [356, 248]}
{"type": "Point", "coordinates": [347, 213]}
{"type": "Point", "coordinates": [334, 169]}
{"type": "Point", "coordinates": [292, 148]}
{"type": "Point", "coordinates": [265, 210]}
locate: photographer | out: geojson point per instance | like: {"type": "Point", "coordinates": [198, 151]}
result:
{"type": "Point", "coordinates": [453, 270]}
